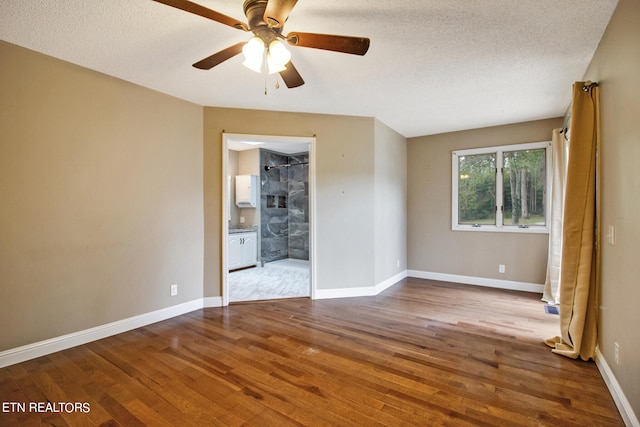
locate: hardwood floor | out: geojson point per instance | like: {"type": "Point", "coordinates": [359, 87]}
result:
{"type": "Point", "coordinates": [421, 353]}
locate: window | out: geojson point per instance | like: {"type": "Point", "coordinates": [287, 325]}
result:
{"type": "Point", "coordinates": [502, 188]}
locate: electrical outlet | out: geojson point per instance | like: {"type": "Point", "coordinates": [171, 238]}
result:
{"type": "Point", "coordinates": [612, 235]}
{"type": "Point", "coordinates": [174, 290]}
{"type": "Point", "coordinates": [397, 263]}
{"type": "Point", "coordinates": [616, 353]}
{"type": "Point", "coordinates": [502, 269]}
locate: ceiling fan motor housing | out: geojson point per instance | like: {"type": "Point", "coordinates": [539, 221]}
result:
{"type": "Point", "coordinates": [254, 10]}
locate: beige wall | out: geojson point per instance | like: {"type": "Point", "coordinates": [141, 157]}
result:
{"type": "Point", "coordinates": [616, 66]}
{"type": "Point", "coordinates": [101, 190]}
{"type": "Point", "coordinates": [249, 164]}
{"type": "Point", "coordinates": [432, 245]}
{"type": "Point", "coordinates": [111, 193]}
{"type": "Point", "coordinates": [390, 203]}
{"type": "Point", "coordinates": [345, 190]}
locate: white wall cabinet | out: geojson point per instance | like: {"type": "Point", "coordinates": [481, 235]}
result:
{"type": "Point", "coordinates": [242, 249]}
{"type": "Point", "coordinates": [246, 191]}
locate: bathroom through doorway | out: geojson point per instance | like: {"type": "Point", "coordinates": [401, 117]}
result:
{"type": "Point", "coordinates": [268, 232]}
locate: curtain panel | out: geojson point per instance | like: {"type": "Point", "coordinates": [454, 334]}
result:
{"type": "Point", "coordinates": [559, 147]}
{"type": "Point", "coordinates": [579, 270]}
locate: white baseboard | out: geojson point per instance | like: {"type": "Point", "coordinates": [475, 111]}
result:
{"type": "Point", "coordinates": [42, 348]}
{"type": "Point", "coordinates": [629, 417]}
{"type": "Point", "coordinates": [212, 302]}
{"type": "Point", "coordinates": [367, 291]}
{"type": "Point", "coordinates": [478, 281]}
{"type": "Point", "coordinates": [384, 285]}
{"type": "Point", "coordinates": [345, 292]}
{"type": "Point", "coordinates": [31, 351]}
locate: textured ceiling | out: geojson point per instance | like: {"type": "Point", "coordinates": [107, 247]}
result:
{"type": "Point", "coordinates": [433, 66]}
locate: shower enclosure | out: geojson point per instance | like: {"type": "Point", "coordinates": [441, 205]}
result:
{"type": "Point", "coordinates": [284, 206]}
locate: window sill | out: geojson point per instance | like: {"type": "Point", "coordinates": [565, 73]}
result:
{"type": "Point", "coordinates": [505, 229]}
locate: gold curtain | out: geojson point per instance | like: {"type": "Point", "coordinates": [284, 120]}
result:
{"type": "Point", "coordinates": [579, 274]}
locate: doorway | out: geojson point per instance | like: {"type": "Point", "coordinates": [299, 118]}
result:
{"type": "Point", "coordinates": [280, 219]}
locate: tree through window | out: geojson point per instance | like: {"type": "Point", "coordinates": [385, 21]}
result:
{"type": "Point", "coordinates": [501, 188]}
{"type": "Point", "coordinates": [524, 177]}
{"type": "Point", "coordinates": [477, 189]}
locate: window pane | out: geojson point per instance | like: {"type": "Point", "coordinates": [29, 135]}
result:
{"type": "Point", "coordinates": [524, 180]}
{"type": "Point", "coordinates": [477, 189]}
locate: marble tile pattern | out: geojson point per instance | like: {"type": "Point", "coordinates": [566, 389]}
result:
{"type": "Point", "coordinates": [299, 206]}
{"type": "Point", "coordinates": [269, 282]}
{"type": "Point", "coordinates": [284, 206]}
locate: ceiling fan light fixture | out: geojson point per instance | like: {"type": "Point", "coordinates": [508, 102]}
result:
{"type": "Point", "coordinates": [266, 52]}
{"type": "Point", "coordinates": [253, 64]}
{"type": "Point", "coordinates": [279, 52]}
{"type": "Point", "coordinates": [272, 66]}
{"type": "Point", "coordinates": [253, 53]}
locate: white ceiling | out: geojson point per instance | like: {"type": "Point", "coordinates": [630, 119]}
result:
{"type": "Point", "coordinates": [433, 66]}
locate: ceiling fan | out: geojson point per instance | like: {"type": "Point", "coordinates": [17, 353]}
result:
{"type": "Point", "coordinates": [265, 51]}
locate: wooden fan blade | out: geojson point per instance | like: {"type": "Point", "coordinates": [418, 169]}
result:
{"type": "Point", "coordinates": [344, 44]}
{"type": "Point", "coordinates": [217, 58]}
{"type": "Point", "coordinates": [291, 76]}
{"type": "Point", "coordinates": [277, 12]}
{"type": "Point", "coordinates": [199, 10]}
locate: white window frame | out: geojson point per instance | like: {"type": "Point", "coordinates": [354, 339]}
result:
{"type": "Point", "coordinates": [499, 150]}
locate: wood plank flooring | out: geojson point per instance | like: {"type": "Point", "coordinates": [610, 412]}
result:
{"type": "Point", "coordinates": [421, 353]}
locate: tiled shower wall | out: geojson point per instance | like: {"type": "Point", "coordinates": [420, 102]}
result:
{"type": "Point", "coordinates": [298, 206]}
{"type": "Point", "coordinates": [284, 206]}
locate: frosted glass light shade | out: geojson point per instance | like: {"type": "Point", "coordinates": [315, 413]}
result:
{"type": "Point", "coordinates": [279, 53]}
{"type": "Point", "coordinates": [253, 53]}
{"type": "Point", "coordinates": [272, 66]}
{"type": "Point", "coordinates": [254, 64]}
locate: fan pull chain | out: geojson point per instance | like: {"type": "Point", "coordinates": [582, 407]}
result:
{"type": "Point", "coordinates": [266, 91]}
{"type": "Point", "coordinates": [265, 67]}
